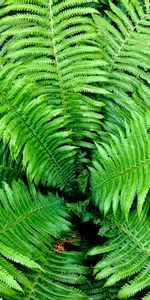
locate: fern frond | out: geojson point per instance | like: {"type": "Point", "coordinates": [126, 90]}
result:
{"type": "Point", "coordinates": [126, 255]}
{"type": "Point", "coordinates": [61, 278]}
{"type": "Point", "coordinates": [50, 42]}
{"type": "Point", "coordinates": [25, 218]}
{"type": "Point", "coordinates": [123, 38]}
{"type": "Point", "coordinates": [121, 168]}
{"type": "Point", "coordinates": [38, 132]}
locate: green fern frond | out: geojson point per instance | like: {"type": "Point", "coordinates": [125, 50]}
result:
{"type": "Point", "coordinates": [50, 42]}
{"type": "Point", "coordinates": [46, 146]}
{"type": "Point", "coordinates": [63, 275]}
{"type": "Point", "coordinates": [121, 168]}
{"type": "Point", "coordinates": [123, 37]}
{"type": "Point", "coordinates": [126, 255]}
{"type": "Point", "coordinates": [26, 216]}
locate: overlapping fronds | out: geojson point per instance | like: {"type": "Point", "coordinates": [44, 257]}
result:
{"type": "Point", "coordinates": [28, 223]}
{"type": "Point", "coordinates": [61, 61]}
{"type": "Point", "coordinates": [124, 39]}
{"type": "Point", "coordinates": [121, 168]}
{"type": "Point", "coordinates": [127, 255]}
{"type": "Point", "coordinates": [52, 42]}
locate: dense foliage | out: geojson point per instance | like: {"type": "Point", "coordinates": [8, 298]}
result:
{"type": "Point", "coordinates": [74, 149]}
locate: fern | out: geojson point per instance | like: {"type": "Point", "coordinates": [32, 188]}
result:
{"type": "Point", "coordinates": [126, 255]}
{"type": "Point", "coordinates": [141, 96]}
{"type": "Point", "coordinates": [74, 149]}
{"type": "Point", "coordinates": [121, 170]}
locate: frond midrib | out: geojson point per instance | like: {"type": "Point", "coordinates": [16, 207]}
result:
{"type": "Point", "coordinates": [127, 170]}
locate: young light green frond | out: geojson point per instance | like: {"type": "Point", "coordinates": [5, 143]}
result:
{"type": "Point", "coordinates": [16, 274]}
{"type": "Point", "coordinates": [121, 169]}
{"type": "Point", "coordinates": [126, 255]}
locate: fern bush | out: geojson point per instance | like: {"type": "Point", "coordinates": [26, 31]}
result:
{"type": "Point", "coordinates": [74, 149]}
